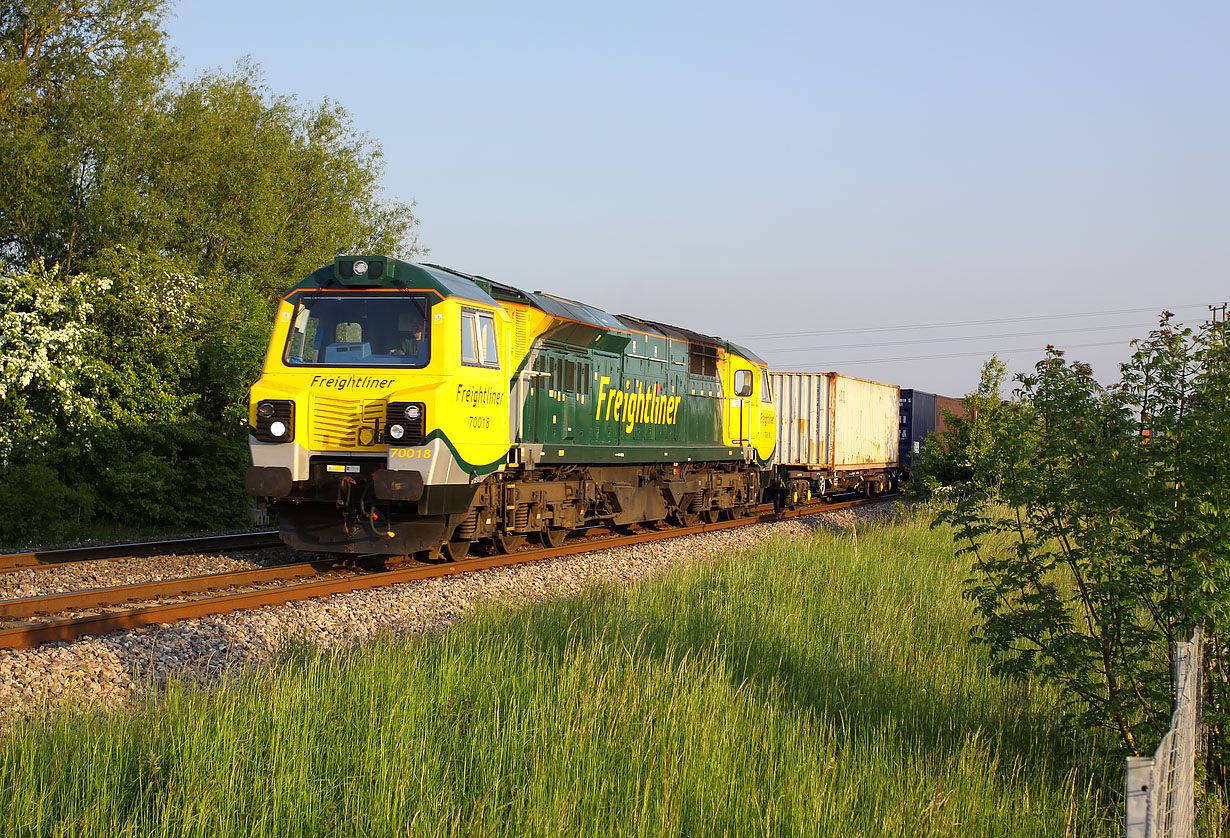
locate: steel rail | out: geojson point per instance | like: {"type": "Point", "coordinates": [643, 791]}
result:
{"type": "Point", "coordinates": [10, 562]}
{"type": "Point", "coordinates": [141, 591]}
{"type": "Point", "coordinates": [27, 636]}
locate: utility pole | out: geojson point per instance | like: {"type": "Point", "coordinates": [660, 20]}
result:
{"type": "Point", "coordinates": [1219, 327]}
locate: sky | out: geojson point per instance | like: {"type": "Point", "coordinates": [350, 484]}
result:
{"type": "Point", "coordinates": [891, 190]}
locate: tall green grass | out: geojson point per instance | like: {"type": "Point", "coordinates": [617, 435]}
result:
{"type": "Point", "coordinates": [815, 687]}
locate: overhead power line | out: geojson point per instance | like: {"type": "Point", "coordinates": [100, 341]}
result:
{"type": "Point", "coordinates": [839, 347]}
{"type": "Point", "coordinates": [953, 324]}
{"type": "Point", "coordinates": [985, 352]}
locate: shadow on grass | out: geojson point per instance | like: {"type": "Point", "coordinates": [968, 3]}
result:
{"type": "Point", "coordinates": [855, 691]}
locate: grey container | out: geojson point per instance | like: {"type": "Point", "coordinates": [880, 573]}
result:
{"type": "Point", "coordinates": [830, 421]}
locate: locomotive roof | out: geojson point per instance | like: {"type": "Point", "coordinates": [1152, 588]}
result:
{"type": "Point", "coordinates": [384, 273]}
{"type": "Point", "coordinates": [390, 274]}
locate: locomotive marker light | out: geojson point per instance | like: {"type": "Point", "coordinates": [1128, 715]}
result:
{"type": "Point", "coordinates": [360, 267]}
{"type": "Point", "coordinates": [275, 420]}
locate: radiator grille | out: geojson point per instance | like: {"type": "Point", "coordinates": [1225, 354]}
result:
{"type": "Point", "coordinates": [336, 423]}
{"type": "Point", "coordinates": [521, 333]}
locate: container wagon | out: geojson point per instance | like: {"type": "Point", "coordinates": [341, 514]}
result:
{"type": "Point", "coordinates": [835, 434]}
{"type": "Point", "coordinates": [923, 414]}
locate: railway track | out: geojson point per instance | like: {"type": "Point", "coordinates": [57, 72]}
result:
{"type": "Point", "coordinates": [285, 583]}
{"type": "Point", "coordinates": [10, 562]}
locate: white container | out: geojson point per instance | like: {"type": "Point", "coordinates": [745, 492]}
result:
{"type": "Point", "coordinates": [826, 420]}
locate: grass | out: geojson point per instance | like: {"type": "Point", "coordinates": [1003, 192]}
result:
{"type": "Point", "coordinates": [815, 687]}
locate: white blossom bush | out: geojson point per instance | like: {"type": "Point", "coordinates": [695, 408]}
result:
{"type": "Point", "coordinates": [44, 369]}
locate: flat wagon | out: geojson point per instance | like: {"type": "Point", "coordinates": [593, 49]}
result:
{"type": "Point", "coordinates": [835, 433]}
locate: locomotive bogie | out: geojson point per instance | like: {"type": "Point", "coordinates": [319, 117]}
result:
{"type": "Point", "coordinates": [613, 496]}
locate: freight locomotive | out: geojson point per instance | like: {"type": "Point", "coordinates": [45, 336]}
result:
{"type": "Point", "coordinates": [413, 409]}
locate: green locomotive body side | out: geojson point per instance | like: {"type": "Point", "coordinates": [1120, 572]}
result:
{"type": "Point", "coordinates": [640, 404]}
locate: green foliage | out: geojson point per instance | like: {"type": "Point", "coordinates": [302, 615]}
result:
{"type": "Point", "coordinates": [142, 372]}
{"type": "Point", "coordinates": [37, 503]}
{"type": "Point", "coordinates": [966, 450]}
{"type": "Point", "coordinates": [122, 481]}
{"type": "Point", "coordinates": [75, 75]}
{"type": "Point", "coordinates": [145, 330]}
{"type": "Point", "coordinates": [1096, 521]}
{"type": "Point", "coordinates": [172, 214]}
{"type": "Point", "coordinates": [240, 182]}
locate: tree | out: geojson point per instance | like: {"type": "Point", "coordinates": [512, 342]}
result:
{"type": "Point", "coordinates": [244, 183]}
{"type": "Point", "coordinates": [74, 76]}
{"type": "Point", "coordinates": [1098, 526]}
{"type": "Point", "coordinates": [966, 452]}
{"type": "Point", "coordinates": [195, 203]}
{"type": "Point", "coordinates": [99, 149]}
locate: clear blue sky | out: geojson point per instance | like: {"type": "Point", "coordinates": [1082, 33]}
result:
{"type": "Point", "coordinates": [758, 170]}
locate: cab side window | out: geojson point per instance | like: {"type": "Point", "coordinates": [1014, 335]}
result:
{"type": "Point", "coordinates": [766, 392]}
{"type": "Point", "coordinates": [479, 347]}
{"type": "Point", "coordinates": [743, 383]}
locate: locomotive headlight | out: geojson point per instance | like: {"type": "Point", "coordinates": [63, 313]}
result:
{"type": "Point", "coordinates": [360, 267]}
{"type": "Point", "coordinates": [403, 422]}
{"type": "Point", "coordinates": [275, 420]}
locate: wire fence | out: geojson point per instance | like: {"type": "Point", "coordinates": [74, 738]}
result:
{"type": "Point", "coordinates": [1161, 789]}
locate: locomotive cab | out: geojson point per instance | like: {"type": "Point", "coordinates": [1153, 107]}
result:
{"type": "Point", "coordinates": [371, 361]}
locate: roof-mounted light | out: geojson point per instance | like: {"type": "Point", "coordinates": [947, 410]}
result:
{"type": "Point", "coordinates": [362, 270]}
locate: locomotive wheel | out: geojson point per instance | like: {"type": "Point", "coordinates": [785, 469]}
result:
{"type": "Point", "coordinates": [553, 536]}
{"type": "Point", "coordinates": [455, 551]}
{"type": "Point", "coordinates": [689, 519]}
{"type": "Point", "coordinates": [711, 515]}
{"type": "Point", "coordinates": [507, 542]}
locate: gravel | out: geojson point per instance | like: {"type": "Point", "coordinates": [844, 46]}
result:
{"type": "Point", "coordinates": [104, 573]}
{"type": "Point", "coordinates": [104, 671]}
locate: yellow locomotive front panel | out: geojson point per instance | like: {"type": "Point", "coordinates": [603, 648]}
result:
{"type": "Point", "coordinates": [381, 389]}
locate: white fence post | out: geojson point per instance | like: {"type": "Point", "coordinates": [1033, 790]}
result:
{"type": "Point", "coordinates": [1139, 785]}
{"type": "Point", "coordinates": [1161, 789]}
